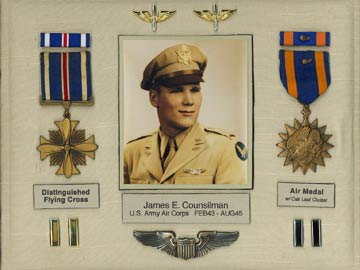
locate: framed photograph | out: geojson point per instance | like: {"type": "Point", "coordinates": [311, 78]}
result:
{"type": "Point", "coordinates": [197, 91]}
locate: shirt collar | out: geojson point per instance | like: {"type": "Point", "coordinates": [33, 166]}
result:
{"type": "Point", "coordinates": [164, 139]}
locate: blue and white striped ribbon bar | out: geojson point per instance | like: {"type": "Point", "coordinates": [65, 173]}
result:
{"type": "Point", "coordinates": [65, 76]}
{"type": "Point", "coordinates": [65, 40]}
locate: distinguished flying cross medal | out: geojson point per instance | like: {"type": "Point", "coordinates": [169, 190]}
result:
{"type": "Point", "coordinates": [65, 79]}
{"type": "Point", "coordinates": [306, 76]}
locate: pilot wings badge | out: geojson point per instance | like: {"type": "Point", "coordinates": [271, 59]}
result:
{"type": "Point", "coordinates": [154, 16]}
{"type": "Point", "coordinates": [186, 248]}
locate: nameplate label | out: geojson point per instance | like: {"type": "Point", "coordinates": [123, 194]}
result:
{"type": "Point", "coordinates": [186, 208]}
{"type": "Point", "coordinates": [66, 196]}
{"type": "Point", "coordinates": [306, 195]}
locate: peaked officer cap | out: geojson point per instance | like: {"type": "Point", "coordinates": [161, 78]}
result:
{"type": "Point", "coordinates": [176, 65]}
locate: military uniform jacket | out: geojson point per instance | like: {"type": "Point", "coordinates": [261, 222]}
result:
{"type": "Point", "coordinates": [206, 156]}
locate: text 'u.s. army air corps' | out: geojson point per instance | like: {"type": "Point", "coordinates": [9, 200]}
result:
{"type": "Point", "coordinates": [186, 208]}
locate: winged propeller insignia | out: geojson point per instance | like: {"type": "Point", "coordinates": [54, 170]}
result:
{"type": "Point", "coordinates": [154, 16]}
{"type": "Point", "coordinates": [215, 15]}
{"type": "Point", "coordinates": [186, 248]}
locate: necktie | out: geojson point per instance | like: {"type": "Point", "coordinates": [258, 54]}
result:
{"type": "Point", "coordinates": [169, 152]}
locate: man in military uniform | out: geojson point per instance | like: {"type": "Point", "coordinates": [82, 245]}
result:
{"type": "Point", "coordinates": [181, 151]}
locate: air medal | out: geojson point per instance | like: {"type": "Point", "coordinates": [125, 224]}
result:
{"type": "Point", "coordinates": [306, 76]}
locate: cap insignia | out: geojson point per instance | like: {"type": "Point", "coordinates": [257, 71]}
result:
{"type": "Point", "coordinates": [184, 55]}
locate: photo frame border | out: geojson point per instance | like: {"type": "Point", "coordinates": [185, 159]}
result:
{"type": "Point", "coordinates": [250, 101]}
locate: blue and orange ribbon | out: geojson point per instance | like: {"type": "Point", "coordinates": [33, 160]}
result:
{"type": "Point", "coordinates": [291, 38]}
{"type": "Point", "coordinates": [305, 74]}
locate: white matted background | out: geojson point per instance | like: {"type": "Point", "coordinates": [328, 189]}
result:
{"type": "Point", "coordinates": [107, 243]}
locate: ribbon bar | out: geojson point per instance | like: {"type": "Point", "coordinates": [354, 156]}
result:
{"type": "Point", "coordinates": [304, 38]}
{"type": "Point", "coordinates": [305, 74]}
{"type": "Point", "coordinates": [65, 40]}
{"type": "Point", "coordinates": [65, 77]}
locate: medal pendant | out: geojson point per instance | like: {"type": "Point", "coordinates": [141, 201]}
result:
{"type": "Point", "coordinates": [304, 145]}
{"type": "Point", "coordinates": [67, 146]}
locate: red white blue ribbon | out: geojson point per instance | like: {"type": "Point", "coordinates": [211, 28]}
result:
{"type": "Point", "coordinates": [65, 76]}
{"type": "Point", "coordinates": [65, 40]}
